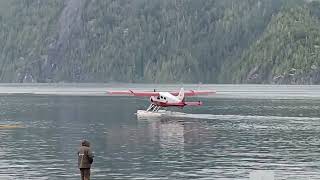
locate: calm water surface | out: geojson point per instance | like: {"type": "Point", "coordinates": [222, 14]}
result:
{"type": "Point", "coordinates": [227, 138]}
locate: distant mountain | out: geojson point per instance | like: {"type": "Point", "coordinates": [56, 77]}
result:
{"type": "Point", "coordinates": [287, 52]}
{"type": "Point", "coordinates": [167, 41]}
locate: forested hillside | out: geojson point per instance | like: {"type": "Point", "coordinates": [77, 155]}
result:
{"type": "Point", "coordinates": [165, 41]}
{"type": "Point", "coordinates": [287, 52]}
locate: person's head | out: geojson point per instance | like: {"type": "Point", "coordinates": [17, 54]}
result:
{"type": "Point", "coordinates": [85, 143]}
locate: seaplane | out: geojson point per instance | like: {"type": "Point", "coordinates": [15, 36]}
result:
{"type": "Point", "coordinates": [160, 100]}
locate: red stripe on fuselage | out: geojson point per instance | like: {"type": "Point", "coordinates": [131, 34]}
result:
{"type": "Point", "coordinates": [165, 104]}
{"type": "Point", "coordinates": [180, 104]}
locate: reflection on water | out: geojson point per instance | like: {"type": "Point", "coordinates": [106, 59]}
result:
{"type": "Point", "coordinates": [169, 134]}
{"type": "Point", "coordinates": [225, 139]}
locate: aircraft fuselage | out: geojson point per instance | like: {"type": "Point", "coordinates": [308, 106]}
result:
{"type": "Point", "coordinates": [166, 99]}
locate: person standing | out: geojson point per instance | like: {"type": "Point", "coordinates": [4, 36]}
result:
{"type": "Point", "coordinates": [85, 159]}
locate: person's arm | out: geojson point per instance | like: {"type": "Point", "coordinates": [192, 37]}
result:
{"type": "Point", "coordinates": [90, 155]}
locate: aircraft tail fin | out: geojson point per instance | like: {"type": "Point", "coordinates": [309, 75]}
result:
{"type": "Point", "coordinates": [181, 94]}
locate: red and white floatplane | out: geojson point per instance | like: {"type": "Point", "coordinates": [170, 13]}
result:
{"type": "Point", "coordinates": [159, 100]}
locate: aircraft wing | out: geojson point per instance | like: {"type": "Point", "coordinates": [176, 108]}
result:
{"type": "Point", "coordinates": [194, 93]}
{"type": "Point", "coordinates": [134, 93]}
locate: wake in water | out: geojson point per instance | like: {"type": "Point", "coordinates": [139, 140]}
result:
{"type": "Point", "coordinates": [168, 114]}
{"type": "Point", "coordinates": [243, 117]}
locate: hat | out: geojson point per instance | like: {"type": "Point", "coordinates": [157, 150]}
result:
{"type": "Point", "coordinates": [85, 143]}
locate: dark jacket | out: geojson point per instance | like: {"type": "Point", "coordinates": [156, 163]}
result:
{"type": "Point", "coordinates": [85, 156]}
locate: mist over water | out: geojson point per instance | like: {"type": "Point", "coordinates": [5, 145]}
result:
{"type": "Point", "coordinates": [241, 129]}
